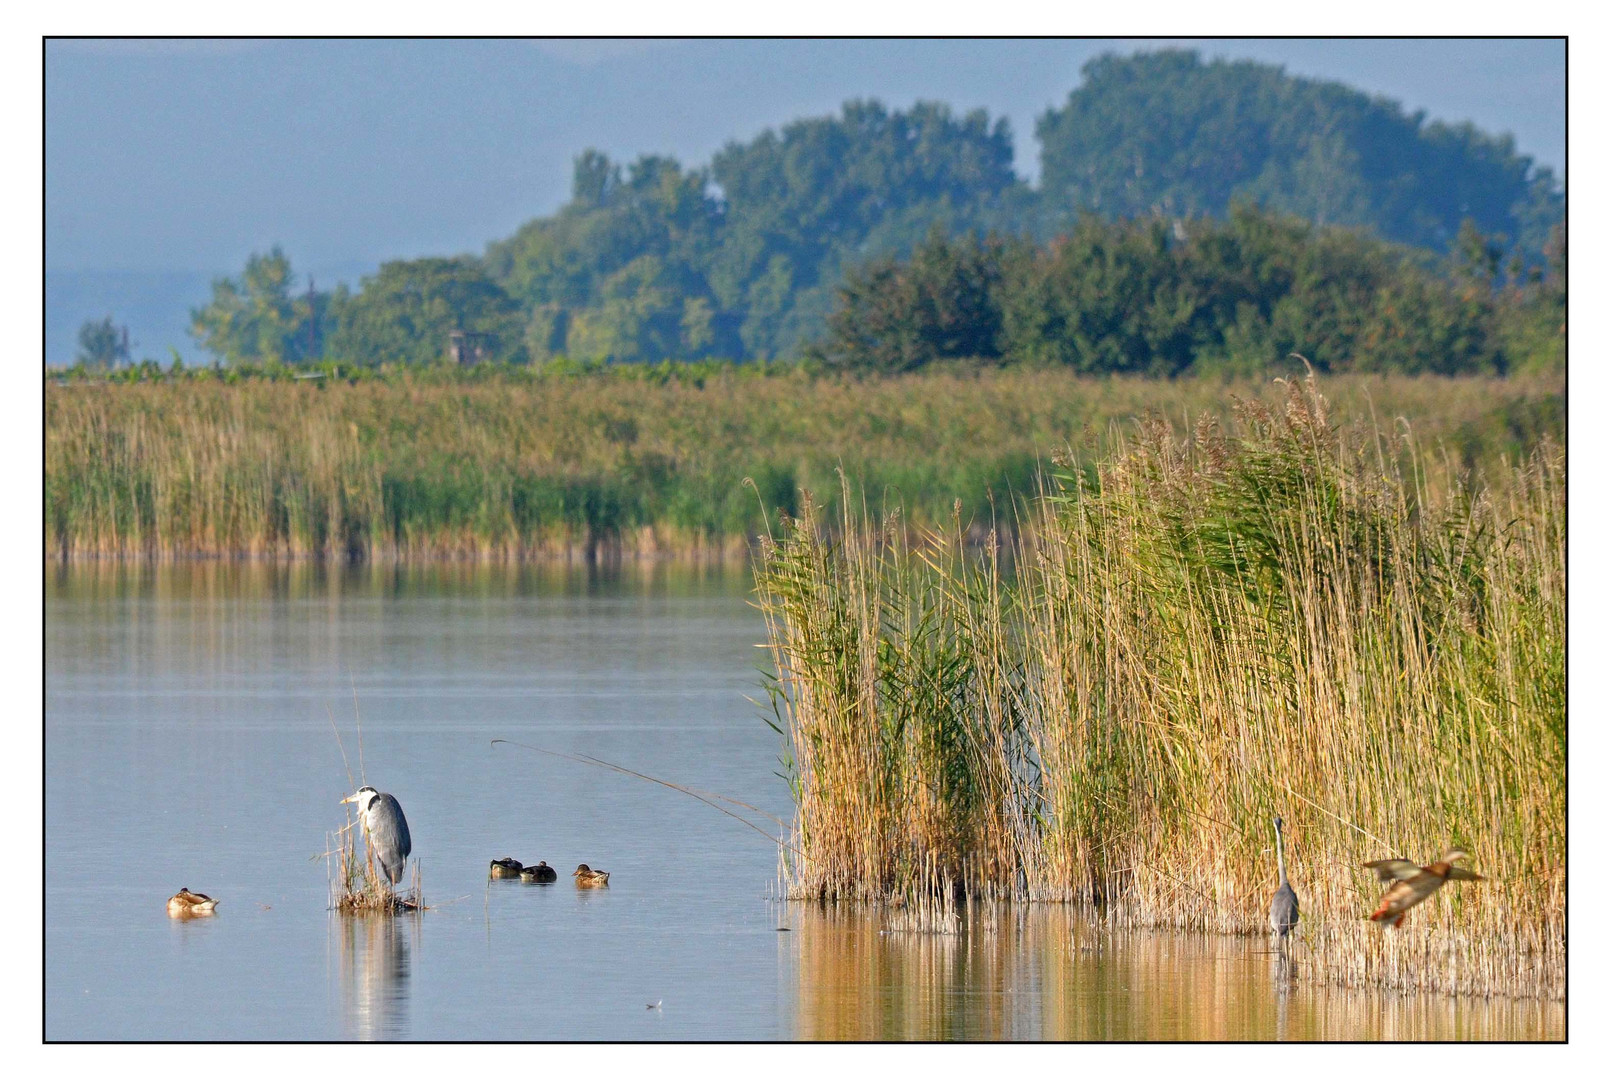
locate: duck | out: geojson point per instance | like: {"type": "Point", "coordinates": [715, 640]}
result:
{"type": "Point", "coordinates": [185, 903]}
{"type": "Point", "coordinates": [541, 874]}
{"type": "Point", "coordinates": [586, 878]}
{"type": "Point", "coordinates": [1411, 884]}
{"type": "Point", "coordinates": [504, 868]}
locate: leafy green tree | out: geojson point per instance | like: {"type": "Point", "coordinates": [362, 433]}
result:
{"type": "Point", "coordinates": [257, 317]}
{"type": "Point", "coordinates": [103, 345]}
{"type": "Point", "coordinates": [1153, 296]}
{"type": "Point", "coordinates": [406, 312]}
{"type": "Point", "coordinates": [759, 239]}
{"type": "Point", "coordinates": [942, 304]}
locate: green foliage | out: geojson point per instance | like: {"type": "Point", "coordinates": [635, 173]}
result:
{"type": "Point", "coordinates": [942, 304]}
{"type": "Point", "coordinates": [256, 317]}
{"type": "Point", "coordinates": [1168, 133]}
{"type": "Point", "coordinates": [742, 258]}
{"type": "Point", "coordinates": [1242, 294]}
{"type": "Point", "coordinates": [103, 345]}
{"type": "Point", "coordinates": [405, 314]}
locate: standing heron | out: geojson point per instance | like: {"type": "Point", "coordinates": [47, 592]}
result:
{"type": "Point", "coordinates": [1284, 904]}
{"type": "Point", "coordinates": [386, 831]}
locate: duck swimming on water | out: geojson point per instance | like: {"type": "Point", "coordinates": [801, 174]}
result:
{"type": "Point", "coordinates": [505, 868]}
{"type": "Point", "coordinates": [586, 878]}
{"type": "Point", "coordinates": [1413, 884]}
{"type": "Point", "coordinates": [185, 904]}
{"type": "Point", "coordinates": [540, 875]}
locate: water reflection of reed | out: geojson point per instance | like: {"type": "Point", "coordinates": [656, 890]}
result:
{"type": "Point", "coordinates": [1045, 972]}
{"type": "Point", "coordinates": [375, 964]}
{"type": "Point", "coordinates": [251, 580]}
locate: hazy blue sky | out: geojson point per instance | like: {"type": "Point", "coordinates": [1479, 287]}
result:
{"type": "Point", "coordinates": [189, 155]}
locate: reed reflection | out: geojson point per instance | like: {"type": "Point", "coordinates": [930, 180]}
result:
{"type": "Point", "coordinates": [374, 976]}
{"type": "Point", "coordinates": [1047, 972]}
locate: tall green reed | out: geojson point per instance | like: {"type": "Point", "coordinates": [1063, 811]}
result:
{"type": "Point", "coordinates": [1291, 617]}
{"type": "Point", "coordinates": [508, 467]}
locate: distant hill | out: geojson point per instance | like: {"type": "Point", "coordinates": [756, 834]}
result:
{"type": "Point", "coordinates": [1171, 134]}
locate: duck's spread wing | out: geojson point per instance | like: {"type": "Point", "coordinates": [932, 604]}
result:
{"type": "Point", "coordinates": [1458, 874]}
{"type": "Point", "coordinates": [1394, 869]}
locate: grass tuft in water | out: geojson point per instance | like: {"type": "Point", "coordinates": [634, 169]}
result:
{"type": "Point", "coordinates": [356, 886]}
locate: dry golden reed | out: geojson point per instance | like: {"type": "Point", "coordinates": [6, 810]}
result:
{"type": "Point", "coordinates": [409, 468]}
{"type": "Point", "coordinates": [1286, 616]}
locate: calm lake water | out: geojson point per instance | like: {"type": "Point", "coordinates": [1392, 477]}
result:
{"type": "Point", "coordinates": [189, 742]}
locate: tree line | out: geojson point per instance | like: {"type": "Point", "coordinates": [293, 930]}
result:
{"type": "Point", "coordinates": [758, 253]}
{"type": "Point", "coordinates": [1206, 296]}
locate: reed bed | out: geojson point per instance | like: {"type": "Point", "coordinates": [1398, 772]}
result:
{"type": "Point", "coordinates": [356, 886]}
{"type": "Point", "coordinates": [579, 467]}
{"type": "Point", "coordinates": [1285, 615]}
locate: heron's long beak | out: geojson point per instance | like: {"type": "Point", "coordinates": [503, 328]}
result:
{"type": "Point", "coordinates": [351, 798]}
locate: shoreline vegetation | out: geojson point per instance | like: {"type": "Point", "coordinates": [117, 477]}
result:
{"type": "Point", "coordinates": [630, 462]}
{"type": "Point", "coordinates": [1282, 614]}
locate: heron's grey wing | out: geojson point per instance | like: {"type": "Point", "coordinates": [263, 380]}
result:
{"type": "Point", "coordinates": [1394, 869]}
{"type": "Point", "coordinates": [391, 836]}
{"type": "Point", "coordinates": [1284, 909]}
{"type": "Point", "coordinates": [398, 816]}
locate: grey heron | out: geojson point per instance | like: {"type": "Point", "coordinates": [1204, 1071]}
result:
{"type": "Point", "coordinates": [1284, 904]}
{"type": "Point", "coordinates": [386, 831]}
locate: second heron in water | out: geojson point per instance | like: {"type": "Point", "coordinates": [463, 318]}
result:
{"type": "Point", "coordinates": [1284, 904]}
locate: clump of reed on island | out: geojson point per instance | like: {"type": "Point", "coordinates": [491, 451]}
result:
{"type": "Point", "coordinates": [1289, 616]}
{"type": "Point", "coordinates": [355, 884]}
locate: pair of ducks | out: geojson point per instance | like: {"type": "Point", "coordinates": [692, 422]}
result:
{"type": "Point", "coordinates": [584, 877]}
{"type": "Point", "coordinates": [1408, 886]}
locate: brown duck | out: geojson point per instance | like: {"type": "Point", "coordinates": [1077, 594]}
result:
{"type": "Point", "coordinates": [186, 904]}
{"type": "Point", "coordinates": [586, 878]}
{"type": "Point", "coordinates": [1410, 884]}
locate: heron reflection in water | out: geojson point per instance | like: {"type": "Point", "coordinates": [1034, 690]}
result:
{"type": "Point", "coordinates": [376, 964]}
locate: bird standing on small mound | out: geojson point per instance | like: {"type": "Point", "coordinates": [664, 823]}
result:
{"type": "Point", "coordinates": [586, 878]}
{"type": "Point", "coordinates": [185, 903]}
{"type": "Point", "coordinates": [1284, 904]}
{"type": "Point", "coordinates": [1413, 884]}
{"type": "Point", "coordinates": [386, 831]}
